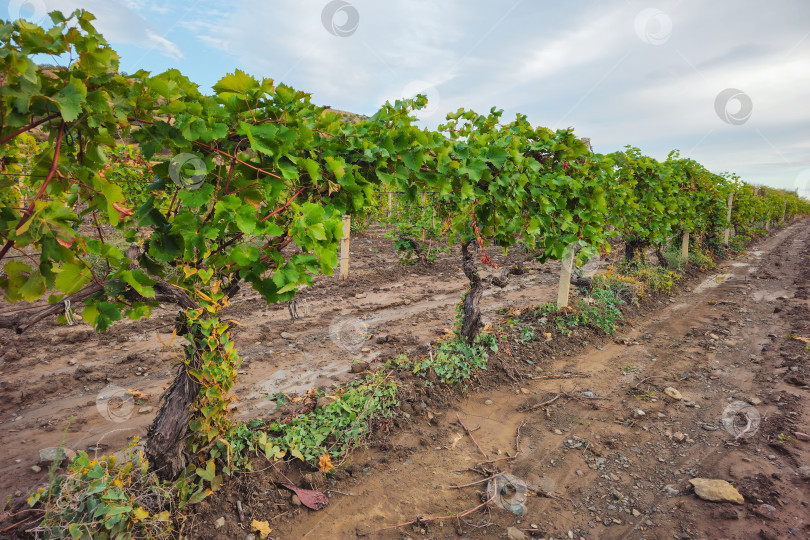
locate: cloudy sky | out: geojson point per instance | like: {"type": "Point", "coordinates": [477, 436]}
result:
{"type": "Point", "coordinates": [726, 82]}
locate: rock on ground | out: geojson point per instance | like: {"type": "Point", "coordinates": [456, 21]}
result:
{"type": "Point", "coordinates": [716, 490]}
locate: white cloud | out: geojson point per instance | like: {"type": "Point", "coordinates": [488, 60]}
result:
{"type": "Point", "coordinates": [122, 22]}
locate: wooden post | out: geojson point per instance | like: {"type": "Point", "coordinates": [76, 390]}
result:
{"type": "Point", "coordinates": [390, 203]}
{"type": "Point", "coordinates": [344, 248]}
{"type": "Point", "coordinates": [685, 246]}
{"type": "Point", "coordinates": [565, 279]}
{"type": "Point", "coordinates": [727, 232]}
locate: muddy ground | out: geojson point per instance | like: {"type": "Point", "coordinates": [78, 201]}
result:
{"type": "Point", "coordinates": [594, 468]}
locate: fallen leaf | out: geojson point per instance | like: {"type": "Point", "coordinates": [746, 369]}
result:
{"type": "Point", "coordinates": [311, 498]}
{"type": "Point", "coordinates": [325, 463]}
{"type": "Point", "coordinates": [800, 338]}
{"type": "Point", "coordinates": [261, 527]}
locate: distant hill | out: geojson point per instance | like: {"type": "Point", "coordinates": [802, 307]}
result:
{"type": "Point", "coordinates": [348, 116]}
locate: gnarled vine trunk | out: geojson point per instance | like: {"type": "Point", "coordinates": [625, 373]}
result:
{"type": "Point", "coordinates": [632, 247]}
{"type": "Point", "coordinates": [661, 259]}
{"type": "Point", "coordinates": [166, 437]}
{"type": "Point", "coordinates": [471, 322]}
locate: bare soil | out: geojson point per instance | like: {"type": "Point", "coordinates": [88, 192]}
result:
{"type": "Point", "coordinates": [594, 468]}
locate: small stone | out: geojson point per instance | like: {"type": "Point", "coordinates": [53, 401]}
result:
{"type": "Point", "coordinates": [588, 394]}
{"type": "Point", "coordinates": [324, 401]}
{"type": "Point", "coordinates": [359, 367]}
{"type": "Point", "coordinates": [673, 393]}
{"type": "Point", "coordinates": [716, 490]}
{"type": "Point", "coordinates": [488, 402]}
{"type": "Point", "coordinates": [72, 362]}
{"type": "Point", "coordinates": [557, 432]}
{"type": "Point", "coordinates": [579, 472]}
{"type": "Point", "coordinates": [36, 468]}
{"type": "Point", "coordinates": [670, 490]}
{"type": "Point", "coordinates": [638, 413]}
{"type": "Point", "coordinates": [219, 523]}
{"type": "Point", "coordinates": [145, 410]}
{"type": "Point", "coordinates": [12, 355]}
{"type": "Point", "coordinates": [636, 513]}
{"type": "Point", "coordinates": [406, 302]}
{"type": "Point", "coordinates": [678, 436]}
{"type": "Point", "coordinates": [714, 336]}
{"type": "Point", "coordinates": [525, 391]}
{"type": "Point", "coordinates": [365, 350]}
{"type": "Point", "coordinates": [54, 454]}
{"type": "Point", "coordinates": [360, 296]}
{"type": "Point", "coordinates": [287, 335]}
{"type": "Point", "coordinates": [804, 472]}
{"type": "Point", "coordinates": [765, 510]}
{"type": "Point", "coordinates": [801, 436]}
{"type": "Point", "coordinates": [515, 534]}
{"type": "Point", "coordinates": [295, 500]}
{"type": "Point", "coordinates": [726, 512]}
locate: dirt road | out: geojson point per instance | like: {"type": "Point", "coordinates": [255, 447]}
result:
{"type": "Point", "coordinates": [619, 466]}
{"type": "Point", "coordinates": [606, 470]}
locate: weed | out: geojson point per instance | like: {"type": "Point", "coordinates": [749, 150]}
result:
{"type": "Point", "coordinates": [526, 335]}
{"type": "Point", "coordinates": [455, 360]}
{"type": "Point", "coordinates": [334, 429]}
{"type": "Point", "coordinates": [110, 498]}
{"type": "Point", "coordinates": [782, 438]}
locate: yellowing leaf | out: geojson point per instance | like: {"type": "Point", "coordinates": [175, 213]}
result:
{"type": "Point", "coordinates": [325, 463]}
{"type": "Point", "coordinates": [140, 513]}
{"type": "Point", "coordinates": [261, 527]}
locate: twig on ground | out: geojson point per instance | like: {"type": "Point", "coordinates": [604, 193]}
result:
{"type": "Point", "coordinates": [471, 436]}
{"type": "Point", "coordinates": [476, 482]}
{"type": "Point", "coordinates": [434, 518]}
{"type": "Point", "coordinates": [517, 437]}
{"type": "Point", "coordinates": [539, 405]}
{"type": "Point", "coordinates": [562, 376]}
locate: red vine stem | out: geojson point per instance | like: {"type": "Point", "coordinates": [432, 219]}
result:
{"type": "Point", "coordinates": [268, 173]}
{"type": "Point", "coordinates": [27, 214]}
{"type": "Point", "coordinates": [265, 218]}
{"type": "Point", "coordinates": [29, 127]}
